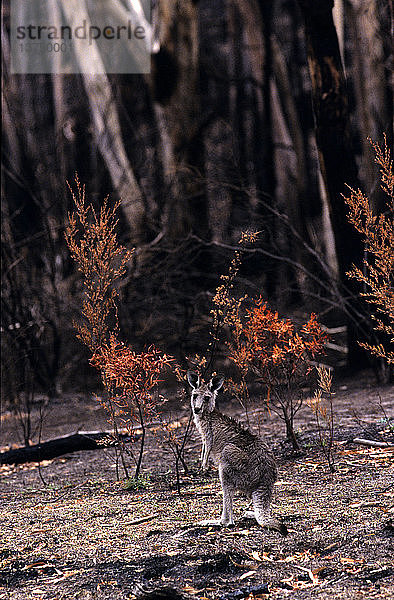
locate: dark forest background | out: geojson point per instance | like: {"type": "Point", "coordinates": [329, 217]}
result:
{"type": "Point", "coordinates": [254, 116]}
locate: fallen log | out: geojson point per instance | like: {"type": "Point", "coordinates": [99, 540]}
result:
{"type": "Point", "coordinates": [75, 442]}
{"type": "Point", "coordinates": [83, 440]}
{"type": "Point", "coordinates": [370, 443]}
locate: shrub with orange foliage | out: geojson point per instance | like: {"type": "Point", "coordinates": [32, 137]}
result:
{"type": "Point", "coordinates": [278, 354]}
{"type": "Point", "coordinates": [376, 274]}
{"type": "Point", "coordinates": [131, 376]}
{"type": "Point", "coordinates": [130, 379]}
{"type": "Point", "coordinates": [322, 407]}
{"type": "Point", "coordinates": [93, 244]}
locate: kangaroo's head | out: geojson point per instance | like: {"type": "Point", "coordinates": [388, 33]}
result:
{"type": "Point", "coordinates": [203, 394]}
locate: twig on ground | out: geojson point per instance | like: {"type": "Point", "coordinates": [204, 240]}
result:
{"type": "Point", "coordinates": [73, 487]}
{"type": "Point", "coordinates": [141, 520]}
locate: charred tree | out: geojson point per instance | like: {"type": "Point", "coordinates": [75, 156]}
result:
{"type": "Point", "coordinates": [336, 153]}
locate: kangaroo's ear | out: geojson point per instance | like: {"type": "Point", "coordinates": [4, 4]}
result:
{"type": "Point", "coordinates": [216, 383]}
{"type": "Point", "coordinates": [193, 379]}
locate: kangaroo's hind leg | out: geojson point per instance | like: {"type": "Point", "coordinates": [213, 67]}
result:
{"type": "Point", "coordinates": [261, 499]}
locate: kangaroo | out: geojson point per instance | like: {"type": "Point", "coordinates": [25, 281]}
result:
{"type": "Point", "coordinates": [245, 463]}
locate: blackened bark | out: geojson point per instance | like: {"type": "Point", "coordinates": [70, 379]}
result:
{"type": "Point", "coordinates": [269, 184]}
{"type": "Point", "coordinates": [332, 123]}
{"type": "Point", "coordinates": [333, 136]}
{"type": "Point", "coordinates": [88, 440]}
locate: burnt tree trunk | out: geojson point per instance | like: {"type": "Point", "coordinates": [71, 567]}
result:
{"type": "Point", "coordinates": [336, 155]}
{"type": "Point", "coordinates": [76, 442]}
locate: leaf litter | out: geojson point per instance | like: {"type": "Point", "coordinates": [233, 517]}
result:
{"type": "Point", "coordinates": [84, 536]}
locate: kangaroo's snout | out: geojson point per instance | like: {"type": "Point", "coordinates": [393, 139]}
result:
{"type": "Point", "coordinates": [197, 409]}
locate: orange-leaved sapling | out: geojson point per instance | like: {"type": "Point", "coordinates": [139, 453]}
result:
{"type": "Point", "coordinates": [322, 407]}
{"type": "Point", "coordinates": [376, 273]}
{"type": "Point", "coordinates": [130, 379]}
{"type": "Point", "coordinates": [279, 355]}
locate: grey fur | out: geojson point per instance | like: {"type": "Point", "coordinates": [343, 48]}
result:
{"type": "Point", "coordinates": [244, 461]}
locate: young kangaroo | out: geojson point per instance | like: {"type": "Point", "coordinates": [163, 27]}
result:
{"type": "Point", "coordinates": [244, 462]}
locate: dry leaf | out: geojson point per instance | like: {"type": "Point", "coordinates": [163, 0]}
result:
{"type": "Point", "coordinates": [190, 589]}
{"type": "Point", "coordinates": [41, 564]}
{"type": "Point", "coordinates": [246, 575]}
{"type": "Point", "coordinates": [351, 561]}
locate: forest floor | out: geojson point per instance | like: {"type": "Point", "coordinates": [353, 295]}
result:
{"type": "Point", "coordinates": [69, 530]}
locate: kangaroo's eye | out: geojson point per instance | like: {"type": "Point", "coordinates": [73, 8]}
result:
{"type": "Point", "coordinates": [206, 398]}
